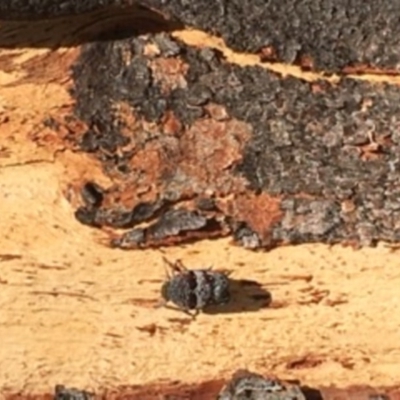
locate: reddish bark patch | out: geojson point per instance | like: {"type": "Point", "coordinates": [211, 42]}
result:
{"type": "Point", "coordinates": [260, 212]}
{"type": "Point", "coordinates": [169, 73]}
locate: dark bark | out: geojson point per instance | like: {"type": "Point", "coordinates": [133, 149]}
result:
{"type": "Point", "coordinates": [209, 390]}
{"type": "Point", "coordinates": [242, 151]}
{"type": "Point", "coordinates": [41, 9]}
{"type": "Point", "coordinates": [327, 35]}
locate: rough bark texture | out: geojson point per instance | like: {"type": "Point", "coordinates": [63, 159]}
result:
{"type": "Point", "coordinates": [327, 35]}
{"type": "Point", "coordinates": [234, 150]}
{"type": "Point", "coordinates": [160, 141]}
{"type": "Point", "coordinates": [233, 389]}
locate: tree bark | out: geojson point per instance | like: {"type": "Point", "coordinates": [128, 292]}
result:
{"type": "Point", "coordinates": [329, 36]}
{"type": "Point", "coordinates": [157, 141]}
{"type": "Point", "coordinates": [243, 151]}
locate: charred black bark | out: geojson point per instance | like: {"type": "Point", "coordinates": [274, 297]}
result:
{"type": "Point", "coordinates": [324, 35]}
{"type": "Point", "coordinates": [327, 154]}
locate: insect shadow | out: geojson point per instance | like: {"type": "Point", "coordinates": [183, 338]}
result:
{"type": "Point", "coordinates": [246, 296]}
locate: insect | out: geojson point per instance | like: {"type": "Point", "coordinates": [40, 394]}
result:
{"type": "Point", "coordinates": [194, 290]}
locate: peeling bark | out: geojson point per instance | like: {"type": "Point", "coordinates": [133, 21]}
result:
{"type": "Point", "coordinates": [278, 160]}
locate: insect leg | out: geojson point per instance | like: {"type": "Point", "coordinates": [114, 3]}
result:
{"type": "Point", "coordinates": [176, 267]}
{"type": "Point", "coordinates": [227, 272]}
{"type": "Point", "coordinates": [169, 264]}
{"type": "Point", "coordinates": [193, 314]}
{"type": "Point", "coordinates": [161, 303]}
{"type": "Point", "coordinates": [179, 266]}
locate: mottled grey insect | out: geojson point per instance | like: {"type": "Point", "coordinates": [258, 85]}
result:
{"type": "Point", "coordinates": [194, 290]}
